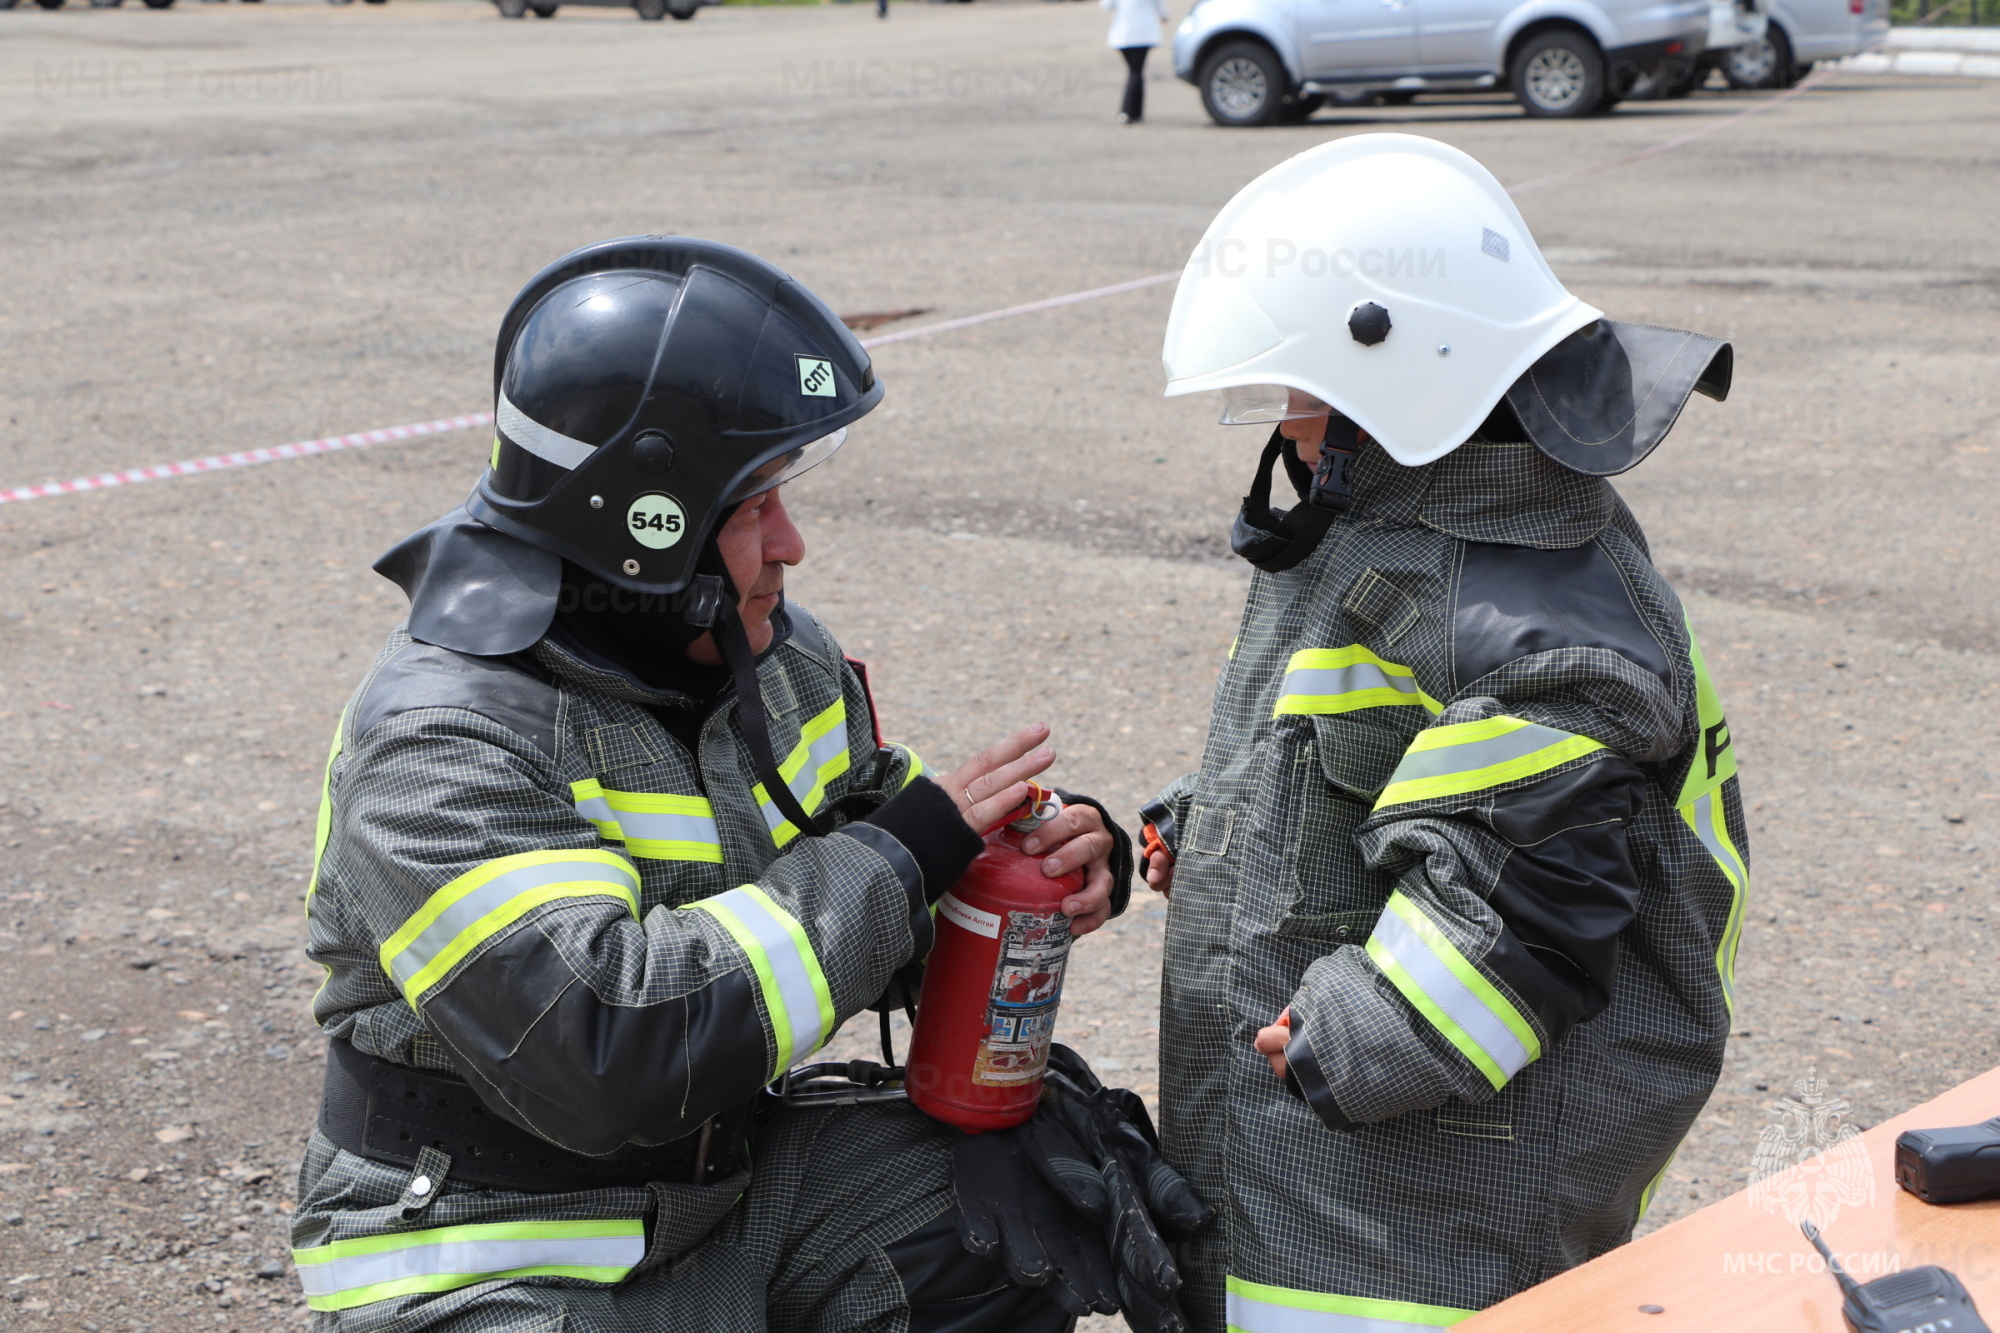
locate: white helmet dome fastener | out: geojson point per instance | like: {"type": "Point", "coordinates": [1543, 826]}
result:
{"type": "Point", "coordinates": [1387, 275]}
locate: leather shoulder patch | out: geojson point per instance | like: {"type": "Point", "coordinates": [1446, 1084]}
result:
{"type": "Point", "coordinates": [1514, 601]}
{"type": "Point", "coordinates": [498, 689]}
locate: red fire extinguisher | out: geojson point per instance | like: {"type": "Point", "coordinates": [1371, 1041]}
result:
{"type": "Point", "coordinates": [994, 978]}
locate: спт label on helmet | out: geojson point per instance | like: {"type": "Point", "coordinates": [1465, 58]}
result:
{"type": "Point", "coordinates": [815, 377]}
{"type": "Point", "coordinates": [656, 520]}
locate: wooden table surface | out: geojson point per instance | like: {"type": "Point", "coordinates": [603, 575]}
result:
{"type": "Point", "coordinates": [1738, 1264]}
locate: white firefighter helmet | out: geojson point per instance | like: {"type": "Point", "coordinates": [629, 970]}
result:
{"type": "Point", "coordinates": [1387, 275]}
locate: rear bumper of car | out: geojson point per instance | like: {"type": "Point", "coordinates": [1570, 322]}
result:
{"type": "Point", "coordinates": [1646, 57]}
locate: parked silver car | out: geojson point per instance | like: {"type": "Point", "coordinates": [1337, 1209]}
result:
{"type": "Point", "coordinates": [1801, 32]}
{"type": "Point", "coordinates": [1261, 61]}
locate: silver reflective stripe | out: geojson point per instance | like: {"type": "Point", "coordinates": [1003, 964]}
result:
{"type": "Point", "coordinates": [1707, 816]}
{"type": "Point", "coordinates": [789, 971]}
{"type": "Point", "coordinates": [551, 446]}
{"type": "Point", "coordinates": [822, 751]}
{"type": "Point", "coordinates": [488, 897]}
{"type": "Point", "coordinates": [469, 1257]}
{"type": "Point", "coordinates": [597, 810]}
{"type": "Point", "coordinates": [1444, 988]}
{"type": "Point", "coordinates": [1467, 756]}
{"type": "Point", "coordinates": [663, 826]}
{"type": "Point", "coordinates": [1347, 679]}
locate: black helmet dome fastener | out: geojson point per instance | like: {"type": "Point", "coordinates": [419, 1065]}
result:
{"type": "Point", "coordinates": [643, 386]}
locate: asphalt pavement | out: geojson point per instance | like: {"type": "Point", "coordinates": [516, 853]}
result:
{"type": "Point", "coordinates": [229, 226]}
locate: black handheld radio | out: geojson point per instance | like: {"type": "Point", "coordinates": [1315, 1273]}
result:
{"type": "Point", "coordinates": [1926, 1299]}
{"type": "Point", "coordinates": [1950, 1165]}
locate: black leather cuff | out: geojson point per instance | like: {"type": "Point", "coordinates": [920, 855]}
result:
{"type": "Point", "coordinates": [1304, 1077]}
{"type": "Point", "coordinates": [926, 821]}
{"type": "Point", "coordinates": [1121, 850]}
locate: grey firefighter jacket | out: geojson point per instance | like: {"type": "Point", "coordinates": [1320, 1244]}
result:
{"type": "Point", "coordinates": [525, 880]}
{"type": "Point", "coordinates": [1468, 807]}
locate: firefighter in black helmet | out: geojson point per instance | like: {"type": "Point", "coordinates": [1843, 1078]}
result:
{"type": "Point", "coordinates": [609, 842]}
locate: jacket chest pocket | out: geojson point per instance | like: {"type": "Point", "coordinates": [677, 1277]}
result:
{"type": "Point", "coordinates": [1338, 766]}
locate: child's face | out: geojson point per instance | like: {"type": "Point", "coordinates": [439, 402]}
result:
{"type": "Point", "coordinates": [1305, 431]}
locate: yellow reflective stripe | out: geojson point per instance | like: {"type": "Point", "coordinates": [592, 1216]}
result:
{"type": "Point", "coordinates": [1423, 964]}
{"type": "Point", "coordinates": [796, 995]}
{"type": "Point", "coordinates": [1714, 761]}
{"type": "Point", "coordinates": [487, 899]}
{"type": "Point", "coordinates": [1472, 756]}
{"type": "Point", "coordinates": [820, 756]}
{"type": "Point", "coordinates": [323, 825]}
{"type": "Point", "coordinates": [916, 768]}
{"type": "Point", "coordinates": [1341, 680]}
{"type": "Point", "coordinates": [1258, 1307]}
{"type": "Point", "coordinates": [351, 1273]}
{"type": "Point", "coordinates": [1653, 1186]}
{"type": "Point", "coordinates": [1705, 815]}
{"type": "Point", "coordinates": [656, 826]}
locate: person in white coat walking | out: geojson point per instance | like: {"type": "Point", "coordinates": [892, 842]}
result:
{"type": "Point", "coordinates": [1135, 30]}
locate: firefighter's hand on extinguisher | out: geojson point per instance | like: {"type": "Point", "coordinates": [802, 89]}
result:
{"type": "Point", "coordinates": [993, 782]}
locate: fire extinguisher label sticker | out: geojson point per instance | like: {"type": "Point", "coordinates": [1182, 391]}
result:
{"type": "Point", "coordinates": [1027, 988]}
{"type": "Point", "coordinates": [966, 917]}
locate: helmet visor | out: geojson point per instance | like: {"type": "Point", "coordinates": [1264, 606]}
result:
{"type": "Point", "coordinates": [1262, 404]}
{"type": "Point", "coordinates": [786, 466]}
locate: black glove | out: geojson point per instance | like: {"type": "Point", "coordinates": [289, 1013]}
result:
{"type": "Point", "coordinates": [1095, 1146]}
{"type": "Point", "coordinates": [1121, 850]}
{"type": "Point", "coordinates": [1005, 1210]}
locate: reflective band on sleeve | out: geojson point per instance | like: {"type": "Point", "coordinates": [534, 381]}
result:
{"type": "Point", "coordinates": [795, 991]}
{"type": "Point", "coordinates": [1438, 981]}
{"type": "Point", "coordinates": [487, 899]}
{"type": "Point", "coordinates": [551, 446]}
{"type": "Point", "coordinates": [916, 768]}
{"type": "Point", "coordinates": [819, 757]}
{"type": "Point", "coordinates": [1340, 680]}
{"type": "Point", "coordinates": [1472, 756]}
{"type": "Point", "coordinates": [653, 826]}
{"type": "Point", "coordinates": [1255, 1307]}
{"type": "Point", "coordinates": [323, 825]}
{"type": "Point", "coordinates": [1705, 816]}
{"type": "Point", "coordinates": [348, 1273]}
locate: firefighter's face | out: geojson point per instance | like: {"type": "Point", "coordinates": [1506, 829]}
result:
{"type": "Point", "coordinates": [1305, 432]}
{"type": "Point", "coordinates": [756, 543]}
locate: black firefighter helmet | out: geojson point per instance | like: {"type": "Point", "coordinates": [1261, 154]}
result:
{"type": "Point", "coordinates": [644, 386]}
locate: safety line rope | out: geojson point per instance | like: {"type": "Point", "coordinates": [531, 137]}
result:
{"type": "Point", "coordinates": [361, 439]}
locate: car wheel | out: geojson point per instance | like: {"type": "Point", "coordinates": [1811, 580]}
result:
{"type": "Point", "coordinates": [682, 13]}
{"type": "Point", "coordinates": [512, 9]}
{"type": "Point", "coordinates": [50, 4]}
{"type": "Point", "coordinates": [1761, 62]}
{"type": "Point", "coordinates": [543, 11]}
{"type": "Point", "coordinates": [1243, 84]}
{"type": "Point", "coordinates": [651, 10]}
{"type": "Point", "coordinates": [1398, 97]}
{"type": "Point", "coordinates": [1559, 75]}
{"type": "Point", "coordinates": [159, 4]}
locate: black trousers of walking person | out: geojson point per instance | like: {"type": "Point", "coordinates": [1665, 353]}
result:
{"type": "Point", "coordinates": [1134, 107]}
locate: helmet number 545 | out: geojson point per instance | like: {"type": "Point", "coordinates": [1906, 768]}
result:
{"type": "Point", "coordinates": [656, 521]}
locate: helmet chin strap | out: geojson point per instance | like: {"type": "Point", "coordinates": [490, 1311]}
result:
{"type": "Point", "coordinates": [734, 641]}
{"type": "Point", "coordinates": [1274, 542]}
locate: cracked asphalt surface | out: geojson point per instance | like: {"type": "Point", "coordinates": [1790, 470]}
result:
{"type": "Point", "coordinates": [229, 226]}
